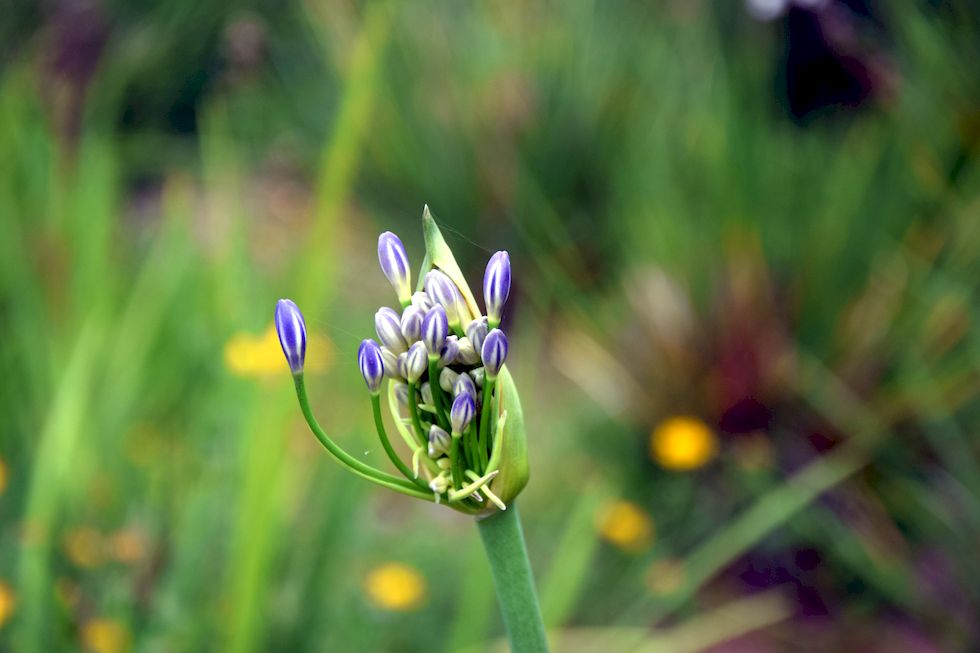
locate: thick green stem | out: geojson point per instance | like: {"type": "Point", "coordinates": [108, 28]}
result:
{"type": "Point", "coordinates": [503, 540]}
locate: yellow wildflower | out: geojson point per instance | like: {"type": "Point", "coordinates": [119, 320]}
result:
{"type": "Point", "coordinates": [84, 546]}
{"type": "Point", "coordinates": [682, 443]}
{"type": "Point", "coordinates": [261, 356]}
{"type": "Point", "coordinates": [105, 636]}
{"type": "Point", "coordinates": [8, 601]}
{"type": "Point", "coordinates": [625, 525]}
{"type": "Point", "coordinates": [395, 586]}
{"type": "Point", "coordinates": [128, 545]}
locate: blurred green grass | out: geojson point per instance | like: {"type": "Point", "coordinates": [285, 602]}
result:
{"type": "Point", "coordinates": [600, 143]}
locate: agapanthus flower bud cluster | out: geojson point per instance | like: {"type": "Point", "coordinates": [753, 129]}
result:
{"type": "Point", "coordinates": [442, 361]}
{"type": "Point", "coordinates": [448, 391]}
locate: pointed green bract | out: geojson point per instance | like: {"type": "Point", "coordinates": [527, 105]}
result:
{"type": "Point", "coordinates": [438, 255]}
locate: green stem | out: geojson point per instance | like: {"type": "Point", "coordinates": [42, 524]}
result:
{"type": "Point", "coordinates": [437, 397]}
{"type": "Point", "coordinates": [484, 435]}
{"type": "Point", "coordinates": [386, 443]}
{"type": "Point", "coordinates": [413, 411]}
{"type": "Point", "coordinates": [361, 469]}
{"type": "Point", "coordinates": [455, 466]}
{"type": "Point", "coordinates": [503, 541]}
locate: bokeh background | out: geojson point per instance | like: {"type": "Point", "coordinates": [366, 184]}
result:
{"type": "Point", "coordinates": [746, 247]}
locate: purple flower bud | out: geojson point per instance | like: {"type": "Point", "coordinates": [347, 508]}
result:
{"type": "Point", "coordinates": [439, 442]}
{"type": "Point", "coordinates": [442, 289]}
{"type": "Point", "coordinates": [464, 384]}
{"type": "Point", "coordinates": [422, 301]}
{"type": "Point", "coordinates": [467, 354]}
{"type": "Point", "coordinates": [390, 360]}
{"type": "Point", "coordinates": [449, 351]}
{"type": "Point", "coordinates": [461, 413]}
{"type": "Point", "coordinates": [371, 364]}
{"type": "Point", "coordinates": [415, 362]}
{"type": "Point", "coordinates": [478, 375]}
{"type": "Point", "coordinates": [496, 286]}
{"type": "Point", "coordinates": [426, 391]}
{"type": "Point", "coordinates": [389, 329]}
{"type": "Point", "coordinates": [435, 328]}
{"type": "Point", "coordinates": [476, 331]}
{"type": "Point", "coordinates": [292, 334]}
{"type": "Point", "coordinates": [394, 264]}
{"type": "Point", "coordinates": [400, 366]}
{"type": "Point", "coordinates": [494, 352]}
{"type": "Point", "coordinates": [412, 323]}
{"type": "Point", "coordinates": [447, 379]}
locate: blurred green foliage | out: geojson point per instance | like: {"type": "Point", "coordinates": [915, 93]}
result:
{"type": "Point", "coordinates": [680, 247]}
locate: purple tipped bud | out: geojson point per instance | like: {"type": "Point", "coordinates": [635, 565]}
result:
{"type": "Point", "coordinates": [449, 351]}
{"type": "Point", "coordinates": [476, 331]}
{"type": "Point", "coordinates": [478, 375]}
{"type": "Point", "coordinates": [494, 352]}
{"type": "Point", "coordinates": [292, 334]}
{"type": "Point", "coordinates": [462, 412]}
{"type": "Point", "coordinates": [390, 360]}
{"type": "Point", "coordinates": [394, 264]}
{"type": "Point", "coordinates": [439, 442]}
{"type": "Point", "coordinates": [415, 362]}
{"type": "Point", "coordinates": [371, 364]}
{"type": "Point", "coordinates": [467, 354]}
{"type": "Point", "coordinates": [447, 379]}
{"type": "Point", "coordinates": [496, 286]}
{"type": "Point", "coordinates": [389, 328]}
{"type": "Point", "coordinates": [442, 289]}
{"type": "Point", "coordinates": [401, 393]}
{"type": "Point", "coordinates": [464, 385]}
{"type": "Point", "coordinates": [422, 301]}
{"type": "Point", "coordinates": [435, 328]}
{"type": "Point", "coordinates": [412, 323]}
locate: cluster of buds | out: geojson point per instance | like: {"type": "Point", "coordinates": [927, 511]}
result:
{"type": "Point", "coordinates": [449, 393]}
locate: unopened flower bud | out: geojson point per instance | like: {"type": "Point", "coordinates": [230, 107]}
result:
{"type": "Point", "coordinates": [401, 393]}
{"type": "Point", "coordinates": [464, 384]}
{"type": "Point", "coordinates": [426, 391]}
{"type": "Point", "coordinates": [435, 328]}
{"type": "Point", "coordinates": [394, 264]}
{"type": "Point", "coordinates": [467, 354]}
{"type": "Point", "coordinates": [479, 374]}
{"type": "Point", "coordinates": [447, 379]}
{"type": "Point", "coordinates": [415, 362]}
{"type": "Point", "coordinates": [449, 351]}
{"type": "Point", "coordinates": [371, 364]}
{"type": "Point", "coordinates": [291, 328]}
{"type": "Point", "coordinates": [422, 301]}
{"type": "Point", "coordinates": [390, 360]}
{"type": "Point", "coordinates": [412, 323]}
{"type": "Point", "coordinates": [389, 328]}
{"type": "Point", "coordinates": [494, 352]}
{"type": "Point", "coordinates": [439, 442]}
{"type": "Point", "coordinates": [442, 289]}
{"type": "Point", "coordinates": [440, 483]}
{"type": "Point", "coordinates": [462, 412]}
{"type": "Point", "coordinates": [476, 331]}
{"type": "Point", "coordinates": [496, 286]}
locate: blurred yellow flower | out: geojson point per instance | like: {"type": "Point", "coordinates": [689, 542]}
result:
{"type": "Point", "coordinates": [84, 546]}
{"type": "Point", "coordinates": [395, 586]}
{"type": "Point", "coordinates": [665, 576]}
{"type": "Point", "coordinates": [8, 601]}
{"type": "Point", "coordinates": [3, 475]}
{"type": "Point", "coordinates": [682, 443]}
{"type": "Point", "coordinates": [128, 545]}
{"type": "Point", "coordinates": [252, 356]}
{"type": "Point", "coordinates": [625, 525]}
{"type": "Point", "coordinates": [105, 636]}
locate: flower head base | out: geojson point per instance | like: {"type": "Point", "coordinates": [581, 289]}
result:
{"type": "Point", "coordinates": [450, 394]}
{"type": "Point", "coordinates": [291, 328]}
